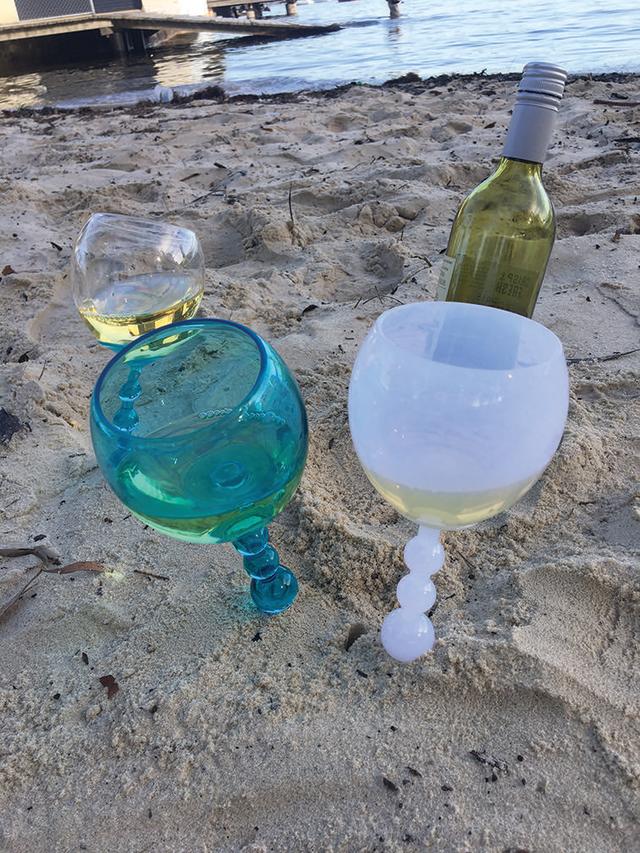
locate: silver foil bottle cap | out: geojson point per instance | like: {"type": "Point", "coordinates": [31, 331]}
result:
{"type": "Point", "coordinates": [542, 78]}
{"type": "Point", "coordinates": [539, 94]}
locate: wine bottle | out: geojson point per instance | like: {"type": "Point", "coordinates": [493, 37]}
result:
{"type": "Point", "coordinates": [503, 233]}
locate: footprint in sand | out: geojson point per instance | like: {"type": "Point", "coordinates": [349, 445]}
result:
{"type": "Point", "coordinates": [594, 647]}
{"type": "Point", "coordinates": [58, 321]}
{"type": "Point", "coordinates": [572, 224]}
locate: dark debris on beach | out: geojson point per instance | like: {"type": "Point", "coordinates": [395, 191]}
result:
{"type": "Point", "coordinates": [10, 425]}
{"type": "Point", "coordinates": [410, 82]}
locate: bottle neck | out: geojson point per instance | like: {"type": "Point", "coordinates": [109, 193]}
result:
{"type": "Point", "coordinates": [531, 128]}
{"type": "Point", "coordinates": [509, 166]}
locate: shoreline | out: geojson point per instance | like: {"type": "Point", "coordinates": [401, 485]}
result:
{"type": "Point", "coordinates": [409, 82]}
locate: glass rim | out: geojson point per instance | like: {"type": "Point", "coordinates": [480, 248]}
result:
{"type": "Point", "coordinates": [104, 422]}
{"type": "Point", "coordinates": [556, 348]}
{"type": "Point", "coordinates": [126, 217]}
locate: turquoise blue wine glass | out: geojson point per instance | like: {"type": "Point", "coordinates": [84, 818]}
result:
{"type": "Point", "coordinates": [200, 430]}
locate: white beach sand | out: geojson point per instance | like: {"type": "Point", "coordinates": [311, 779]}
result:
{"type": "Point", "coordinates": [235, 732]}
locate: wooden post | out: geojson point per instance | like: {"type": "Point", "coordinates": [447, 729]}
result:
{"type": "Point", "coordinates": [119, 43]}
{"type": "Point", "coordinates": [292, 8]}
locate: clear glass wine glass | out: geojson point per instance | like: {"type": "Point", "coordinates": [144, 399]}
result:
{"type": "Point", "coordinates": [455, 411]}
{"type": "Point", "coordinates": [130, 276]}
{"type": "Point", "coordinates": [200, 430]}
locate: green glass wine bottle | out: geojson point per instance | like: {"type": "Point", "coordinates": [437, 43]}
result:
{"type": "Point", "coordinates": [503, 233]}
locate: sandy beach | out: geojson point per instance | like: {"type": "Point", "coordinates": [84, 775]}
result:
{"type": "Point", "coordinates": [230, 731]}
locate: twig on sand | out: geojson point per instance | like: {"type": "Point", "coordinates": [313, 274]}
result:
{"type": "Point", "coordinates": [42, 552]}
{"type": "Point", "coordinates": [46, 556]}
{"type": "Point", "coordinates": [483, 757]}
{"type": "Point", "coordinates": [151, 575]}
{"type": "Point", "coordinates": [205, 195]}
{"type": "Point", "coordinates": [611, 357]}
{"type": "Point", "coordinates": [465, 559]}
{"type": "Point", "coordinates": [613, 103]}
{"type": "Point", "coordinates": [427, 266]}
{"type": "Point", "coordinates": [76, 567]}
{"type": "Point", "coordinates": [390, 294]}
{"type": "Point", "coordinates": [422, 258]}
{"type": "Point", "coordinates": [9, 604]}
{"type": "Point", "coordinates": [377, 294]}
{"type": "Point", "coordinates": [379, 297]}
{"type": "Point", "coordinates": [291, 216]}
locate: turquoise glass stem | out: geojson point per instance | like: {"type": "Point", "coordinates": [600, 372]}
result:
{"type": "Point", "coordinates": [273, 586]}
{"type": "Point", "coordinates": [126, 417]}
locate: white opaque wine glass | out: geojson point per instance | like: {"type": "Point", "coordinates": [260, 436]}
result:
{"type": "Point", "coordinates": [455, 411]}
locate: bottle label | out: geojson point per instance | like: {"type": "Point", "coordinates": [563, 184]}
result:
{"type": "Point", "coordinates": [446, 273]}
{"type": "Point", "coordinates": [512, 289]}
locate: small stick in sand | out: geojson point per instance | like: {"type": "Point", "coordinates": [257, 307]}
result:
{"type": "Point", "coordinates": [42, 552]}
{"type": "Point", "coordinates": [293, 221]}
{"type": "Point", "coordinates": [151, 575]}
{"type": "Point", "coordinates": [76, 567]}
{"type": "Point", "coordinates": [616, 103]}
{"type": "Point", "coordinates": [611, 357]}
{"type": "Point", "coordinates": [9, 604]}
{"type": "Point", "coordinates": [46, 555]}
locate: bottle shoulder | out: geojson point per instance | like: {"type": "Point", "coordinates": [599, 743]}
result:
{"type": "Point", "coordinates": [508, 196]}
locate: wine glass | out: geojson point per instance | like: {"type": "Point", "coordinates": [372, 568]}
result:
{"type": "Point", "coordinates": [200, 430]}
{"type": "Point", "coordinates": [132, 275]}
{"type": "Point", "coordinates": [455, 411]}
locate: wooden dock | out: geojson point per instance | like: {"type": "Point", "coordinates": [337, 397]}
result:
{"type": "Point", "coordinates": [114, 22]}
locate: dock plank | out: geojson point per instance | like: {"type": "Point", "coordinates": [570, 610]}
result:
{"type": "Point", "coordinates": [52, 27]}
{"type": "Point", "coordinates": [147, 21]}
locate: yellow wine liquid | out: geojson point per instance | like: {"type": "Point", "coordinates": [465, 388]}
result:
{"type": "Point", "coordinates": [125, 310]}
{"type": "Point", "coordinates": [450, 510]}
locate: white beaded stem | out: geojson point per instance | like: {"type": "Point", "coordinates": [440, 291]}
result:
{"type": "Point", "coordinates": [407, 633]}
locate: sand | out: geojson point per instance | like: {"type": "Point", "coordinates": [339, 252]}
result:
{"type": "Point", "coordinates": [232, 731]}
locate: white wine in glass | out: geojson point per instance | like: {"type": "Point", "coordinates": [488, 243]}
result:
{"type": "Point", "coordinates": [131, 276]}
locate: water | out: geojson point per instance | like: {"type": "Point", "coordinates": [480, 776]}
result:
{"type": "Point", "coordinates": [431, 37]}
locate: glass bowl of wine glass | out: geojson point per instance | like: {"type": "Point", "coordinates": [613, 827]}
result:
{"type": "Point", "coordinates": [130, 276]}
{"type": "Point", "coordinates": [455, 411]}
{"type": "Point", "coordinates": [200, 430]}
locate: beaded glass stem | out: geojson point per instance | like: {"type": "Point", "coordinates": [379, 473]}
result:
{"type": "Point", "coordinates": [200, 430]}
{"type": "Point", "coordinates": [407, 632]}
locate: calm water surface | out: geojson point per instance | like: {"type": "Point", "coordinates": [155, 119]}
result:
{"type": "Point", "coordinates": [431, 37]}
